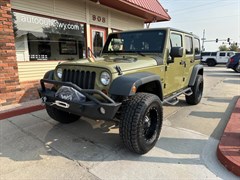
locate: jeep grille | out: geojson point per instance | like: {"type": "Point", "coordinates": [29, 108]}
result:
{"type": "Point", "coordinates": [84, 79]}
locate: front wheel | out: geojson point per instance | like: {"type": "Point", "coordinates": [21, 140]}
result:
{"type": "Point", "coordinates": [211, 63]}
{"type": "Point", "coordinates": [141, 122]}
{"type": "Point", "coordinates": [197, 90]}
{"type": "Point", "coordinates": [61, 116]}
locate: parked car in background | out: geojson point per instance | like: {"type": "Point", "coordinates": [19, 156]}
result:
{"type": "Point", "coordinates": [234, 62]}
{"type": "Point", "coordinates": [214, 58]}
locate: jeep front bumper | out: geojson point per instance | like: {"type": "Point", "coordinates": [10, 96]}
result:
{"type": "Point", "coordinates": [105, 109]}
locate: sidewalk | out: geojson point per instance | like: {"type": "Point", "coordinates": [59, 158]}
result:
{"type": "Point", "coordinates": [228, 151]}
{"type": "Point", "coordinates": [19, 109]}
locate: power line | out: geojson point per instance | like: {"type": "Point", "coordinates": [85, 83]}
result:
{"type": "Point", "coordinates": [190, 8]}
{"type": "Point", "coordinates": [209, 19]}
{"type": "Point", "coordinates": [203, 9]}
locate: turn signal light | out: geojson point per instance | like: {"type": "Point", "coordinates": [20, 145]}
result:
{"type": "Point", "coordinates": [105, 91]}
{"type": "Point", "coordinates": [134, 89]}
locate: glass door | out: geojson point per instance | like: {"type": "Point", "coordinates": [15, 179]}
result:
{"type": "Point", "coordinates": [98, 38]}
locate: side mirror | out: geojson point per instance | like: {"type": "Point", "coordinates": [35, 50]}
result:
{"type": "Point", "coordinates": [176, 52]}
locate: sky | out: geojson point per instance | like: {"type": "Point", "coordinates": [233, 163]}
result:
{"type": "Point", "coordinates": [219, 18]}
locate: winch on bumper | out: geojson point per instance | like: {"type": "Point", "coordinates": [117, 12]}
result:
{"type": "Point", "coordinates": [92, 107]}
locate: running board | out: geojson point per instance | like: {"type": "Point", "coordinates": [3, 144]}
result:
{"type": "Point", "coordinates": [173, 100]}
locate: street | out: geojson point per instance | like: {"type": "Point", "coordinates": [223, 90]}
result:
{"type": "Point", "coordinates": [33, 146]}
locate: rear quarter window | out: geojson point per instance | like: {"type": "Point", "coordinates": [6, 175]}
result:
{"type": "Point", "coordinates": [205, 53]}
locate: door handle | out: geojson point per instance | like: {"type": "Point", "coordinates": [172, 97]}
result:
{"type": "Point", "coordinates": [183, 63]}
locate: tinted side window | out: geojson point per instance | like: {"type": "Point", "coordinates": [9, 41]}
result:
{"type": "Point", "coordinates": [176, 40]}
{"type": "Point", "coordinates": [222, 54]}
{"type": "Point", "coordinates": [205, 53]}
{"type": "Point", "coordinates": [188, 45]}
{"type": "Point", "coordinates": [214, 54]}
{"type": "Point", "coordinates": [196, 46]}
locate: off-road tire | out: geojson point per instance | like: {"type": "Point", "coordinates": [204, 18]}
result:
{"type": "Point", "coordinates": [141, 122]}
{"type": "Point", "coordinates": [197, 90]}
{"type": "Point", "coordinates": [211, 62]}
{"type": "Point", "coordinates": [61, 116]}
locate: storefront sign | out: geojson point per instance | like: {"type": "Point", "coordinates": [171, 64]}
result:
{"type": "Point", "coordinates": [48, 22]}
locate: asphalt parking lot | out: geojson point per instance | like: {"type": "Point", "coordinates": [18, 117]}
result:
{"type": "Point", "coordinates": [33, 146]}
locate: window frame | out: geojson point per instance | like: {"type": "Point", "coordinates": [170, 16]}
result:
{"type": "Point", "coordinates": [192, 50]}
{"type": "Point", "coordinates": [220, 54]}
{"type": "Point", "coordinates": [198, 44]}
{"type": "Point", "coordinates": [179, 34]}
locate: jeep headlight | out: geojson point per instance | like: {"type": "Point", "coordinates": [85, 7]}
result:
{"type": "Point", "coordinates": [59, 73]}
{"type": "Point", "coordinates": [105, 78]}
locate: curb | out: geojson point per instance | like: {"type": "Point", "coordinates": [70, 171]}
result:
{"type": "Point", "coordinates": [228, 151]}
{"type": "Point", "coordinates": [21, 111]}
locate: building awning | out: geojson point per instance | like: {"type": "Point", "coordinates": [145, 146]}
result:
{"type": "Point", "coordinates": [150, 10]}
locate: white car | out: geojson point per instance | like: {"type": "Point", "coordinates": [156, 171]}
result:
{"type": "Point", "coordinates": [214, 58]}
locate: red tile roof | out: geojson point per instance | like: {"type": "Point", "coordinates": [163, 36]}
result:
{"type": "Point", "coordinates": [150, 10]}
{"type": "Point", "coordinates": [150, 5]}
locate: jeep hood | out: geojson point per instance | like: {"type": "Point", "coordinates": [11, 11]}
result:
{"type": "Point", "coordinates": [110, 64]}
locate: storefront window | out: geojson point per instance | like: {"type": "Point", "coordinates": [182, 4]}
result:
{"type": "Point", "coordinates": [41, 38]}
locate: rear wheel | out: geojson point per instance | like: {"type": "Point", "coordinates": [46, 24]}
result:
{"type": "Point", "coordinates": [211, 62]}
{"type": "Point", "coordinates": [197, 90]}
{"type": "Point", "coordinates": [61, 116]}
{"type": "Point", "coordinates": [237, 68]}
{"type": "Point", "coordinates": [141, 122]}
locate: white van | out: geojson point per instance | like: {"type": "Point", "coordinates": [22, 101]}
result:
{"type": "Point", "coordinates": [214, 58]}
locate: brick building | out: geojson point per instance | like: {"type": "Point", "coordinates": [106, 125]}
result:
{"type": "Point", "coordinates": [36, 35]}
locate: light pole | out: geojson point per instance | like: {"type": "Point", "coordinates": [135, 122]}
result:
{"type": "Point", "coordinates": [203, 39]}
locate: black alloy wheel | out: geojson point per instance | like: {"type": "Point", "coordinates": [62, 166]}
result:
{"type": "Point", "coordinates": [197, 90]}
{"type": "Point", "coordinates": [141, 122]}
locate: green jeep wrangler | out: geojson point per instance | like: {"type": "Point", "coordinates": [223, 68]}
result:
{"type": "Point", "coordinates": [136, 73]}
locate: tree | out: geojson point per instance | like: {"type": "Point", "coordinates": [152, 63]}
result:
{"type": "Point", "coordinates": [233, 47]}
{"type": "Point", "coordinates": [223, 48]}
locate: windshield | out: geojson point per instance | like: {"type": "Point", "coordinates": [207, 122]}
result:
{"type": "Point", "coordinates": [136, 42]}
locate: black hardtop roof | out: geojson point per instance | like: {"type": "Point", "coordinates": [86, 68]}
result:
{"type": "Point", "coordinates": [154, 29]}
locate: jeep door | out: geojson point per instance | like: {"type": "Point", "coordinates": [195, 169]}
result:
{"type": "Point", "coordinates": [174, 71]}
{"type": "Point", "coordinates": [188, 58]}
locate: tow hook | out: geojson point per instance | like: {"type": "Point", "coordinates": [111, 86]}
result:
{"type": "Point", "coordinates": [61, 104]}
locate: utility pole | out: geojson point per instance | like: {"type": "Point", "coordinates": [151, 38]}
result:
{"type": "Point", "coordinates": [203, 39]}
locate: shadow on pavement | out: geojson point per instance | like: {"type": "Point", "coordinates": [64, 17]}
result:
{"type": "Point", "coordinates": [223, 116]}
{"type": "Point", "coordinates": [219, 100]}
{"type": "Point", "coordinates": [223, 75]}
{"type": "Point", "coordinates": [89, 142]}
{"type": "Point", "coordinates": [232, 81]}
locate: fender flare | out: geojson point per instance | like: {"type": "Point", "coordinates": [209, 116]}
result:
{"type": "Point", "coordinates": [49, 75]}
{"type": "Point", "coordinates": [196, 69]}
{"type": "Point", "coordinates": [122, 86]}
